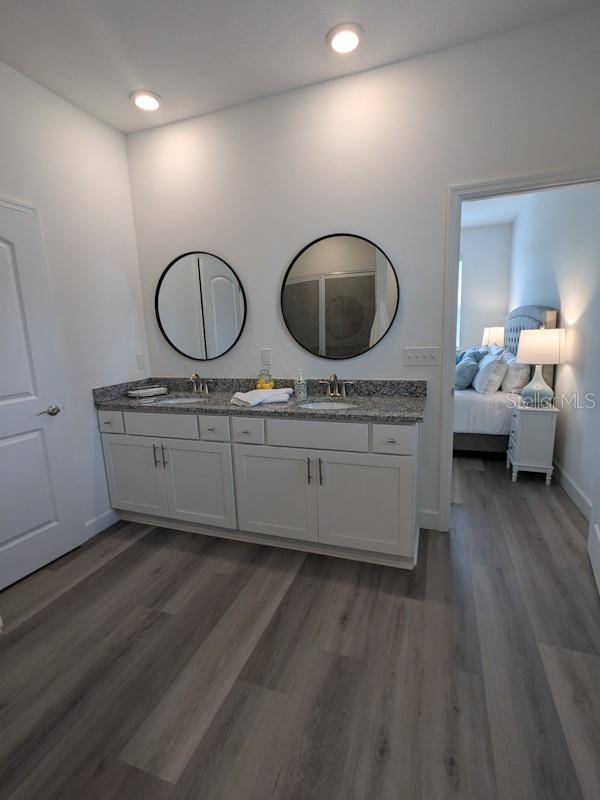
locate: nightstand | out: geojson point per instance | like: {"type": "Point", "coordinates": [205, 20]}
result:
{"type": "Point", "coordinates": [531, 441]}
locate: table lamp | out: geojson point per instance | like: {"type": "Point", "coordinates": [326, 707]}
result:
{"type": "Point", "coordinates": [539, 347]}
{"type": "Point", "coordinates": [493, 336]}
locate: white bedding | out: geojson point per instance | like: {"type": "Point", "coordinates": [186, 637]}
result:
{"type": "Point", "coordinates": [482, 413]}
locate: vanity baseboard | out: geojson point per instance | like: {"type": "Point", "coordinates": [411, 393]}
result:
{"type": "Point", "coordinates": [399, 562]}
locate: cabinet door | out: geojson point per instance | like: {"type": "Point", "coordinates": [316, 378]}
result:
{"type": "Point", "coordinates": [199, 481]}
{"type": "Point", "coordinates": [367, 502]}
{"type": "Point", "coordinates": [135, 473]}
{"type": "Point", "coordinates": [276, 491]}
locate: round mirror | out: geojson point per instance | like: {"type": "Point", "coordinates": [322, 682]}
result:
{"type": "Point", "coordinates": [200, 306]}
{"type": "Point", "coordinates": [339, 296]}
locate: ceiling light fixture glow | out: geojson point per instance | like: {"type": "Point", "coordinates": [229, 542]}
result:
{"type": "Point", "coordinates": [147, 101]}
{"type": "Point", "coordinates": [344, 38]}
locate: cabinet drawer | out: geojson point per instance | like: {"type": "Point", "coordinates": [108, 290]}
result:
{"type": "Point", "coordinates": [250, 431]}
{"type": "Point", "coordinates": [111, 421]}
{"type": "Point", "coordinates": [214, 429]}
{"type": "Point", "coordinates": [397, 439]}
{"type": "Point", "coordinates": [175, 426]}
{"type": "Point", "coordinates": [319, 435]}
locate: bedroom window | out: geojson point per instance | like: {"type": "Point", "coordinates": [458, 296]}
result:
{"type": "Point", "coordinates": [459, 303]}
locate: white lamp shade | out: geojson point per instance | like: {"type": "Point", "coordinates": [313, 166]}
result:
{"type": "Point", "coordinates": [493, 336]}
{"type": "Point", "coordinates": [543, 346]}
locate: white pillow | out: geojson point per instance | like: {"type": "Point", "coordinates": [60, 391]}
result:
{"type": "Point", "coordinates": [490, 374]}
{"type": "Point", "coordinates": [517, 375]}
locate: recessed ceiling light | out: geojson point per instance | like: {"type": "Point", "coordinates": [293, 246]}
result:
{"type": "Point", "coordinates": [344, 38]}
{"type": "Point", "coordinates": [147, 101]}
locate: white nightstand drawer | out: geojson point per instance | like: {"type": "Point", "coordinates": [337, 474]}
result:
{"type": "Point", "coordinates": [111, 421]}
{"type": "Point", "coordinates": [214, 429]}
{"type": "Point", "coordinates": [396, 439]}
{"type": "Point", "coordinates": [250, 431]}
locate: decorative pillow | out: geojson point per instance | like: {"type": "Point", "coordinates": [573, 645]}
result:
{"type": "Point", "coordinates": [465, 372]}
{"type": "Point", "coordinates": [475, 353]}
{"type": "Point", "coordinates": [490, 374]}
{"type": "Point", "coordinates": [517, 375]}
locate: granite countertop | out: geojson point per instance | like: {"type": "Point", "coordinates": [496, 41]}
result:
{"type": "Point", "coordinates": [396, 402]}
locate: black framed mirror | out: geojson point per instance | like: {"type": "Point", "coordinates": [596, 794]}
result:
{"type": "Point", "coordinates": [339, 296]}
{"type": "Point", "coordinates": [200, 305]}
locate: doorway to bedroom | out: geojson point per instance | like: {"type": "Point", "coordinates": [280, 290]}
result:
{"type": "Point", "coordinates": [526, 366]}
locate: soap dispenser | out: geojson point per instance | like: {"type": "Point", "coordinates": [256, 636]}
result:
{"type": "Point", "coordinates": [300, 387]}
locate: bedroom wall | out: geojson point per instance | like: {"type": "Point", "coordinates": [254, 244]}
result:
{"type": "Point", "coordinates": [73, 170]}
{"type": "Point", "coordinates": [486, 259]}
{"type": "Point", "coordinates": [556, 262]}
{"type": "Point", "coordinates": [372, 154]}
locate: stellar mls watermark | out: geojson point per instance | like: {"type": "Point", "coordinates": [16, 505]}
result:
{"type": "Point", "coordinates": [577, 400]}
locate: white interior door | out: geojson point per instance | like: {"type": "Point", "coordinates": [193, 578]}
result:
{"type": "Point", "coordinates": [40, 517]}
{"type": "Point", "coordinates": [222, 303]}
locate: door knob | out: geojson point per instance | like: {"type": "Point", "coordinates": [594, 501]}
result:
{"type": "Point", "coordinates": [52, 411]}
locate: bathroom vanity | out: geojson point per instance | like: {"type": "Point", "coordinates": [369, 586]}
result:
{"type": "Point", "coordinates": [340, 479]}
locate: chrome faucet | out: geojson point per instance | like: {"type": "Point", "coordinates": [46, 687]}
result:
{"type": "Point", "coordinates": [198, 386]}
{"type": "Point", "coordinates": [336, 387]}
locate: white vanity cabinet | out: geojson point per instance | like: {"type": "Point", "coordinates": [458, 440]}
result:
{"type": "Point", "coordinates": [177, 478]}
{"type": "Point", "coordinates": [276, 489]}
{"type": "Point", "coordinates": [350, 491]}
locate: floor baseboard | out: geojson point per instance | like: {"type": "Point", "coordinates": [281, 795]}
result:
{"type": "Point", "coordinates": [97, 524]}
{"type": "Point", "coordinates": [581, 500]}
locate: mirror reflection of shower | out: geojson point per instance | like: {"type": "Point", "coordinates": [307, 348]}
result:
{"type": "Point", "coordinates": [340, 296]}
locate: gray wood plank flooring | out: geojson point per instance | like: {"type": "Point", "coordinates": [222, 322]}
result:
{"type": "Point", "coordinates": [163, 665]}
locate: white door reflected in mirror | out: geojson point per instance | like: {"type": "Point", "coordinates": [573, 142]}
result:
{"type": "Point", "coordinates": [200, 306]}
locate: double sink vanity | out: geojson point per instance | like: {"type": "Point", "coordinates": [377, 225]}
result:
{"type": "Point", "coordinates": [327, 475]}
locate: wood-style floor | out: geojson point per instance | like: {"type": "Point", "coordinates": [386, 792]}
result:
{"type": "Point", "coordinates": [158, 665]}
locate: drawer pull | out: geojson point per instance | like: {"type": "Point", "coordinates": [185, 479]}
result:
{"type": "Point", "coordinates": [211, 430]}
{"type": "Point", "coordinates": [165, 462]}
{"type": "Point", "coordinates": [246, 432]}
{"type": "Point", "coordinates": [392, 441]}
{"type": "Point", "coordinates": [308, 470]}
{"type": "Point", "coordinates": [321, 471]}
{"type": "Point", "coordinates": [107, 422]}
{"type": "Point", "coordinates": [155, 451]}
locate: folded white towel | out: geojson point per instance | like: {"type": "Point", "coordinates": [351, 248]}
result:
{"type": "Point", "coordinates": [259, 396]}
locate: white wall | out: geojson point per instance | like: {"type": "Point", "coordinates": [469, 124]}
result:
{"type": "Point", "coordinates": [486, 257]}
{"type": "Point", "coordinates": [372, 154]}
{"type": "Point", "coordinates": [73, 169]}
{"type": "Point", "coordinates": [556, 262]}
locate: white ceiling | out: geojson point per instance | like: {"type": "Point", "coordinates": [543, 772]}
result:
{"type": "Point", "coordinates": [492, 211]}
{"type": "Point", "coordinates": [202, 55]}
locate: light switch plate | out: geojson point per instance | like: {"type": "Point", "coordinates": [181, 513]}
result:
{"type": "Point", "coordinates": [265, 357]}
{"type": "Point", "coordinates": [421, 356]}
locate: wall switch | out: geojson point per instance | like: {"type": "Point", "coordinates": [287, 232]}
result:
{"type": "Point", "coordinates": [421, 356]}
{"type": "Point", "coordinates": [265, 357]}
{"type": "Point", "coordinates": [140, 361]}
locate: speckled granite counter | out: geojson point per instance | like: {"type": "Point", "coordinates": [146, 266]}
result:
{"type": "Point", "coordinates": [395, 402]}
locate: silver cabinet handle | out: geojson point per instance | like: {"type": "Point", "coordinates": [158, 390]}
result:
{"type": "Point", "coordinates": [308, 470]}
{"type": "Point", "coordinates": [155, 451]}
{"type": "Point", "coordinates": [107, 422]}
{"type": "Point", "coordinates": [52, 411]}
{"type": "Point", "coordinates": [211, 430]}
{"type": "Point", "coordinates": [247, 433]}
{"type": "Point", "coordinates": [321, 472]}
{"type": "Point", "coordinates": [391, 441]}
{"type": "Point", "coordinates": [164, 460]}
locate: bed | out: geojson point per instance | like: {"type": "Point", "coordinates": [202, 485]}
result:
{"type": "Point", "coordinates": [482, 421]}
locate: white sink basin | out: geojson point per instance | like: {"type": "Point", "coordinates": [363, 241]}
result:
{"type": "Point", "coordinates": [177, 401]}
{"type": "Point", "coordinates": [327, 405]}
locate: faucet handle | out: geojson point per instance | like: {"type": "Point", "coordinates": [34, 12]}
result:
{"type": "Point", "coordinates": [344, 385]}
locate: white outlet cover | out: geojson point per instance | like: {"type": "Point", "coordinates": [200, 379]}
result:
{"type": "Point", "coordinates": [265, 357]}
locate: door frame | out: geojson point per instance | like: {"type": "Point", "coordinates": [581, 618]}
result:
{"type": "Point", "coordinates": [456, 195]}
